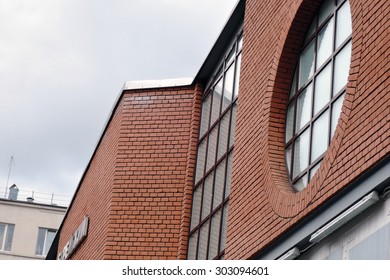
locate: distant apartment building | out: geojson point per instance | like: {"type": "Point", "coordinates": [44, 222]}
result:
{"type": "Point", "coordinates": [27, 229]}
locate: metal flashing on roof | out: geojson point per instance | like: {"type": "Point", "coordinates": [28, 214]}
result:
{"type": "Point", "coordinates": [148, 84]}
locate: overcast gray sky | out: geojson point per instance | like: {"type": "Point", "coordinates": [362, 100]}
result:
{"type": "Point", "coordinates": [64, 62]}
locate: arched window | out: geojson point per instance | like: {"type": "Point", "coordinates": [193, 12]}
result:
{"type": "Point", "coordinates": [317, 90]}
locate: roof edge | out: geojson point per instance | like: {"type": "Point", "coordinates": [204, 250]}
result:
{"type": "Point", "coordinates": [235, 19]}
{"type": "Point", "coordinates": [162, 83]}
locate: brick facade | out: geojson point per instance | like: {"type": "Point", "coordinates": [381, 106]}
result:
{"type": "Point", "coordinates": [137, 188]}
{"type": "Point", "coordinates": [361, 139]}
{"type": "Point", "coordinates": [132, 191]}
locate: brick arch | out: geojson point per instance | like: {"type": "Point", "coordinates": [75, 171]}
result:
{"type": "Point", "coordinates": [284, 201]}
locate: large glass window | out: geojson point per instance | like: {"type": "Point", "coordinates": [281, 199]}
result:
{"type": "Point", "coordinates": [214, 160]}
{"type": "Point", "coordinates": [317, 90]}
{"type": "Point", "coordinates": [6, 236]}
{"type": "Point", "coordinates": [45, 238]}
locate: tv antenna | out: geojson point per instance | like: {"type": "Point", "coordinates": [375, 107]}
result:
{"type": "Point", "coordinates": [11, 163]}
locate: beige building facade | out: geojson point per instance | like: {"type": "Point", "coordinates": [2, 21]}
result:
{"type": "Point", "coordinates": [27, 229]}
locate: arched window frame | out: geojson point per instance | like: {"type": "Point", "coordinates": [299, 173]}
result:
{"type": "Point", "coordinates": [306, 119]}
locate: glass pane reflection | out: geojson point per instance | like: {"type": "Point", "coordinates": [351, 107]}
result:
{"type": "Point", "coordinates": [341, 69]}
{"type": "Point", "coordinates": [320, 136]}
{"type": "Point", "coordinates": [325, 43]}
{"type": "Point", "coordinates": [217, 95]}
{"type": "Point", "coordinates": [304, 108]}
{"type": "Point", "coordinates": [343, 27]}
{"type": "Point", "coordinates": [322, 90]}
{"type": "Point", "coordinates": [301, 153]}
{"type": "Point", "coordinates": [336, 111]}
{"type": "Point", "coordinates": [306, 67]}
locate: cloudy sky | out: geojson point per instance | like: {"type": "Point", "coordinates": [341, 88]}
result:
{"type": "Point", "coordinates": [64, 62]}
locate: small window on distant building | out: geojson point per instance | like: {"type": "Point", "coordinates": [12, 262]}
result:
{"type": "Point", "coordinates": [317, 91]}
{"type": "Point", "coordinates": [6, 235]}
{"type": "Point", "coordinates": [45, 238]}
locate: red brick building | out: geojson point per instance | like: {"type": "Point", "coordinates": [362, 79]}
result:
{"type": "Point", "coordinates": [278, 148]}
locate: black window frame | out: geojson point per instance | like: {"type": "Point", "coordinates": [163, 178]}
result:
{"type": "Point", "coordinates": [313, 164]}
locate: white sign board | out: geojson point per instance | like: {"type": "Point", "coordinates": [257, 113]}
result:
{"type": "Point", "coordinates": [75, 240]}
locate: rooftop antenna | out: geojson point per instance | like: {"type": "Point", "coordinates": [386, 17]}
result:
{"type": "Point", "coordinates": [11, 163]}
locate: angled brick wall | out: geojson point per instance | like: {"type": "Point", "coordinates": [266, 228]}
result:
{"type": "Point", "coordinates": [150, 175]}
{"type": "Point", "coordinates": [190, 172]}
{"type": "Point", "coordinates": [132, 190]}
{"type": "Point", "coordinates": [263, 204]}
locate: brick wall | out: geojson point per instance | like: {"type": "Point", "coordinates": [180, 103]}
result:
{"type": "Point", "coordinates": [273, 32]}
{"type": "Point", "coordinates": [147, 194]}
{"type": "Point", "coordinates": [133, 188]}
{"type": "Point", "coordinates": [190, 173]}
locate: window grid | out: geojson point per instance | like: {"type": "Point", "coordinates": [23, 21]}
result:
{"type": "Point", "coordinates": [44, 241]}
{"type": "Point", "coordinates": [310, 85]}
{"type": "Point", "coordinates": [216, 211]}
{"type": "Point", "coordinates": [6, 236]}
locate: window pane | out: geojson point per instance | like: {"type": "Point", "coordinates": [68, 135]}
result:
{"type": "Point", "coordinates": [325, 43]}
{"type": "Point", "coordinates": [2, 235]}
{"type": "Point", "coordinates": [219, 184]}
{"type": "Point", "coordinates": [301, 153]}
{"type": "Point", "coordinates": [301, 183]}
{"type": "Point", "coordinates": [344, 27]}
{"type": "Point", "coordinates": [224, 226]}
{"type": "Point", "coordinates": [233, 126]}
{"type": "Point", "coordinates": [290, 122]}
{"type": "Point", "coordinates": [229, 174]}
{"type": "Point", "coordinates": [204, 121]}
{"type": "Point", "coordinates": [230, 57]}
{"type": "Point", "coordinates": [306, 65]}
{"type": "Point", "coordinates": [293, 85]}
{"type": "Point", "coordinates": [201, 157]}
{"type": "Point", "coordinates": [341, 69]}
{"type": "Point", "coordinates": [40, 241]}
{"type": "Point", "coordinates": [320, 136]}
{"type": "Point", "coordinates": [288, 158]}
{"type": "Point", "coordinates": [314, 170]}
{"type": "Point", "coordinates": [325, 10]}
{"type": "Point", "coordinates": [304, 108]}
{"type": "Point", "coordinates": [203, 240]}
{"type": "Point", "coordinates": [336, 111]}
{"type": "Point", "coordinates": [216, 102]}
{"type": "Point", "coordinates": [237, 76]}
{"type": "Point", "coordinates": [240, 43]}
{"type": "Point", "coordinates": [192, 244]}
{"type": "Point", "coordinates": [223, 135]}
{"type": "Point", "coordinates": [207, 194]}
{"type": "Point", "coordinates": [49, 240]}
{"type": "Point", "coordinates": [228, 88]}
{"type": "Point", "coordinates": [214, 235]}
{"type": "Point", "coordinates": [196, 200]}
{"type": "Point", "coordinates": [312, 29]}
{"type": "Point", "coordinates": [9, 237]}
{"type": "Point", "coordinates": [212, 148]}
{"type": "Point", "coordinates": [322, 89]}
